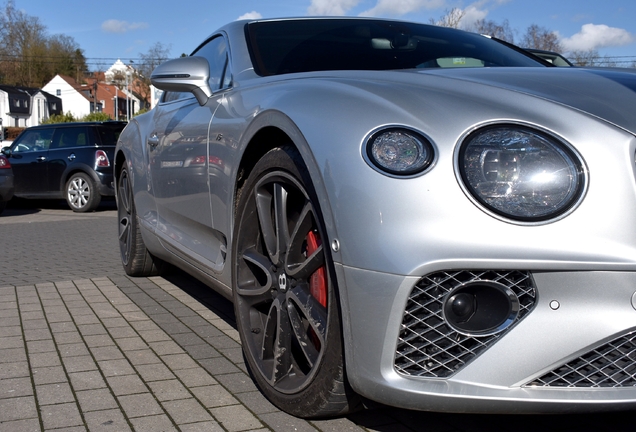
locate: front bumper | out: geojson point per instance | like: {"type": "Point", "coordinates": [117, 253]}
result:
{"type": "Point", "coordinates": [510, 376]}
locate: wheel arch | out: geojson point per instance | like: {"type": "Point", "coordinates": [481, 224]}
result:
{"type": "Point", "coordinates": [271, 129]}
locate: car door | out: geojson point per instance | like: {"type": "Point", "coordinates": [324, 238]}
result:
{"type": "Point", "coordinates": [68, 149]}
{"type": "Point", "coordinates": [29, 156]}
{"type": "Point", "coordinates": [179, 164]}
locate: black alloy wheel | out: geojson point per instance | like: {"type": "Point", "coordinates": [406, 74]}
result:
{"type": "Point", "coordinates": [284, 294]}
{"type": "Point", "coordinates": [135, 258]}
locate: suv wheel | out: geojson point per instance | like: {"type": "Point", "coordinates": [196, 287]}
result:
{"type": "Point", "coordinates": [81, 193]}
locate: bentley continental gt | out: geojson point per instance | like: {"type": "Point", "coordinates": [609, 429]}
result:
{"type": "Point", "coordinates": [401, 213]}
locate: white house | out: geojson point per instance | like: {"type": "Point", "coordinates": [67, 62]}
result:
{"type": "Point", "coordinates": [26, 106]}
{"type": "Point", "coordinates": [76, 98]}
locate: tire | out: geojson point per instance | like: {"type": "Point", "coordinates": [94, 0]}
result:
{"type": "Point", "coordinates": [285, 293]}
{"type": "Point", "coordinates": [81, 193]}
{"type": "Point", "coordinates": [135, 257]}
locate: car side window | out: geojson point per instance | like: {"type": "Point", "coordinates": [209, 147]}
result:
{"type": "Point", "coordinates": [215, 51]}
{"type": "Point", "coordinates": [33, 140]}
{"type": "Point", "coordinates": [70, 137]}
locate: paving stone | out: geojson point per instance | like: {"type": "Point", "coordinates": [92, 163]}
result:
{"type": "Point", "coordinates": [169, 390]}
{"type": "Point", "coordinates": [87, 380]}
{"type": "Point", "coordinates": [99, 341]}
{"type": "Point", "coordinates": [38, 360]}
{"type": "Point", "coordinates": [61, 327]}
{"type": "Point", "coordinates": [132, 344]}
{"type": "Point", "coordinates": [179, 361]}
{"type": "Point", "coordinates": [195, 377]}
{"type": "Point", "coordinates": [68, 338]}
{"type": "Point", "coordinates": [209, 426]}
{"type": "Point", "coordinates": [236, 418]}
{"type": "Point", "coordinates": [106, 421]}
{"type": "Point", "coordinates": [218, 365]}
{"type": "Point", "coordinates": [91, 329]}
{"type": "Point", "coordinates": [40, 346]}
{"type": "Point", "coordinates": [11, 355]}
{"type": "Point", "coordinates": [154, 372]}
{"type": "Point", "coordinates": [35, 324]}
{"type": "Point", "coordinates": [116, 367]}
{"type": "Point", "coordinates": [237, 382]}
{"type": "Point", "coordinates": [185, 411]}
{"type": "Point", "coordinates": [166, 347]}
{"type": "Point", "coordinates": [280, 421]}
{"type": "Point", "coordinates": [107, 353]}
{"type": "Point", "coordinates": [213, 396]}
{"type": "Point", "coordinates": [140, 405]}
{"type": "Point", "coordinates": [79, 364]}
{"type": "Point", "coordinates": [142, 357]}
{"type": "Point", "coordinates": [54, 393]}
{"type": "Point", "coordinates": [61, 416]}
{"type": "Point", "coordinates": [125, 385]}
{"type": "Point", "coordinates": [256, 402]}
{"type": "Point", "coordinates": [14, 370]}
{"type": "Point", "coordinates": [49, 375]}
{"type": "Point", "coordinates": [156, 423]}
{"type": "Point", "coordinates": [29, 334]}
{"type": "Point", "coordinates": [96, 400]}
{"type": "Point", "coordinates": [154, 335]}
{"type": "Point", "coordinates": [27, 425]}
{"type": "Point", "coordinates": [123, 332]}
{"type": "Point", "coordinates": [73, 350]}
{"type": "Point", "coordinates": [15, 387]}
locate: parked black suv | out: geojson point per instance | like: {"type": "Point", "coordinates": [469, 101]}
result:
{"type": "Point", "coordinates": [65, 160]}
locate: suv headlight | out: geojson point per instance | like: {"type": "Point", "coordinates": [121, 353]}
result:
{"type": "Point", "coordinates": [521, 173]}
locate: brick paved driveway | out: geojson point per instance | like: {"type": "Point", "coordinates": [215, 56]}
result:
{"type": "Point", "coordinates": [84, 347]}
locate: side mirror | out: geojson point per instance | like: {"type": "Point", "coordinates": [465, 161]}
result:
{"type": "Point", "coordinates": [6, 151]}
{"type": "Point", "coordinates": [184, 74]}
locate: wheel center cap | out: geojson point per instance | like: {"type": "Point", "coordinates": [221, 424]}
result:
{"type": "Point", "coordinates": [282, 282]}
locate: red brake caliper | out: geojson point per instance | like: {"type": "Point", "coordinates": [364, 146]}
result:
{"type": "Point", "coordinates": [318, 280]}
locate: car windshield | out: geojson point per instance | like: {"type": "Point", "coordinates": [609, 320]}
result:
{"type": "Point", "coordinates": [280, 47]}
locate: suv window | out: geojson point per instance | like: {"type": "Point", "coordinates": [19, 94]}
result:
{"type": "Point", "coordinates": [215, 52]}
{"type": "Point", "coordinates": [33, 140]}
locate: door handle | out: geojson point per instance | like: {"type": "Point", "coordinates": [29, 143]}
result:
{"type": "Point", "coordinates": [40, 158]}
{"type": "Point", "coordinates": [71, 157]}
{"type": "Point", "coordinates": [153, 140]}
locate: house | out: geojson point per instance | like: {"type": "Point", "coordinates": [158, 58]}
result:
{"type": "Point", "coordinates": [92, 96]}
{"type": "Point", "coordinates": [26, 106]}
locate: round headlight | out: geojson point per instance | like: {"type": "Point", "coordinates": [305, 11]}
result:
{"type": "Point", "coordinates": [521, 173]}
{"type": "Point", "coordinates": [399, 151]}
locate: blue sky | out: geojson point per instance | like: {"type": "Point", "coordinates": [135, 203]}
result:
{"type": "Point", "coordinates": [122, 29]}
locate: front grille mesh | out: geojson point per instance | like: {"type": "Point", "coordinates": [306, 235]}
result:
{"type": "Point", "coordinates": [610, 365]}
{"type": "Point", "coordinates": [427, 346]}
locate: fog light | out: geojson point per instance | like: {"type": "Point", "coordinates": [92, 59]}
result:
{"type": "Point", "coordinates": [481, 308]}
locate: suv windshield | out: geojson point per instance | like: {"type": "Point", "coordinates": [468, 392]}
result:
{"type": "Point", "coordinates": [279, 47]}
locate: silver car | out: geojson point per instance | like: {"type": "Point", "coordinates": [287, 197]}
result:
{"type": "Point", "coordinates": [409, 214]}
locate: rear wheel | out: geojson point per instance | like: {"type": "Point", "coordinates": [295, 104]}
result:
{"type": "Point", "coordinates": [284, 291]}
{"type": "Point", "coordinates": [81, 193]}
{"type": "Point", "coordinates": [136, 259]}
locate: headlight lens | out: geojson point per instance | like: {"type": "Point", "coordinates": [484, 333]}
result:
{"type": "Point", "coordinates": [521, 173]}
{"type": "Point", "coordinates": [399, 151]}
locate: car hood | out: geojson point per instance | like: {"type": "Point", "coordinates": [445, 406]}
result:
{"type": "Point", "coordinates": [607, 94]}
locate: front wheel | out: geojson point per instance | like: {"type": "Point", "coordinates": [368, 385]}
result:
{"type": "Point", "coordinates": [81, 193]}
{"type": "Point", "coordinates": [284, 291]}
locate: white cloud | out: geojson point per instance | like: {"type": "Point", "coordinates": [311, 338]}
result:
{"type": "Point", "coordinates": [594, 36]}
{"type": "Point", "coordinates": [116, 26]}
{"type": "Point", "coordinates": [331, 7]}
{"type": "Point", "coordinates": [401, 7]}
{"type": "Point", "coordinates": [250, 15]}
{"type": "Point", "coordinates": [472, 14]}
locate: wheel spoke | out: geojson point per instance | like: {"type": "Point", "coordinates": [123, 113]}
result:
{"type": "Point", "coordinates": [298, 265]}
{"type": "Point", "coordinates": [276, 349]}
{"type": "Point", "coordinates": [272, 216]}
{"type": "Point", "coordinates": [254, 276]}
{"type": "Point", "coordinates": [309, 309]}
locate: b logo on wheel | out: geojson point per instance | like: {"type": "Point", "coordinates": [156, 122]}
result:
{"type": "Point", "coordinates": [282, 282]}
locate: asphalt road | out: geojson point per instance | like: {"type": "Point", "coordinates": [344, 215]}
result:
{"type": "Point", "coordinates": [84, 347]}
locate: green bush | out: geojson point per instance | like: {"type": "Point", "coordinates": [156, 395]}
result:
{"type": "Point", "coordinates": [69, 118]}
{"type": "Point", "coordinates": [96, 116]}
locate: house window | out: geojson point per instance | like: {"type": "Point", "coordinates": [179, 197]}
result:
{"type": "Point", "coordinates": [58, 92]}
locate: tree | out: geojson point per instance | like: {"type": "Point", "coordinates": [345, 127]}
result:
{"type": "Point", "coordinates": [538, 37]}
{"type": "Point", "coordinates": [29, 57]}
{"type": "Point", "coordinates": [491, 28]}
{"type": "Point", "coordinates": [451, 19]}
{"type": "Point", "coordinates": [156, 54]}
{"type": "Point", "coordinates": [590, 58]}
